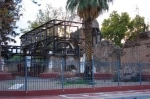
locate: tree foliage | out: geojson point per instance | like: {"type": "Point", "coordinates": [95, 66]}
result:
{"type": "Point", "coordinates": [48, 14]}
{"type": "Point", "coordinates": [15, 58]}
{"type": "Point", "coordinates": [9, 15]}
{"type": "Point", "coordinates": [88, 9]}
{"type": "Point", "coordinates": [120, 27]}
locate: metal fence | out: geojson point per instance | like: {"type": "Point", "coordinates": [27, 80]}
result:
{"type": "Point", "coordinates": [21, 75]}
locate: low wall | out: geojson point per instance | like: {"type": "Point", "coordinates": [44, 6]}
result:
{"type": "Point", "coordinates": [6, 76]}
{"type": "Point", "coordinates": [48, 75]}
{"type": "Point", "coordinates": [146, 77]}
{"type": "Point", "coordinates": [97, 76]}
{"type": "Point", "coordinates": [22, 74]}
{"type": "Point", "coordinates": [71, 91]}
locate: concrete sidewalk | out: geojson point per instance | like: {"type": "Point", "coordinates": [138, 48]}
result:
{"type": "Point", "coordinates": [138, 94]}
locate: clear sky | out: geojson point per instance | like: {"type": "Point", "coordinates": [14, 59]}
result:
{"type": "Point", "coordinates": [119, 5]}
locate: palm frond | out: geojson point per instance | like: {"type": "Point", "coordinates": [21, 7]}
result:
{"type": "Point", "coordinates": [72, 5]}
{"type": "Point", "coordinates": [88, 8]}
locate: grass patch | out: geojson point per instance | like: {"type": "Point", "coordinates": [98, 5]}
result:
{"type": "Point", "coordinates": [11, 83]}
{"type": "Point", "coordinates": [76, 82]}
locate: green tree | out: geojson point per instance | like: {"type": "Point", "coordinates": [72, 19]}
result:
{"type": "Point", "coordinates": [9, 15]}
{"type": "Point", "coordinates": [15, 58]}
{"type": "Point", "coordinates": [48, 14]}
{"type": "Point", "coordinates": [88, 11]}
{"type": "Point", "coordinates": [136, 26]}
{"type": "Point", "coordinates": [120, 27]}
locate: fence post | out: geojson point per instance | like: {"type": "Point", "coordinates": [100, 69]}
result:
{"type": "Point", "coordinates": [118, 51]}
{"type": "Point", "coordinates": [92, 72]}
{"type": "Point", "coordinates": [79, 62]}
{"type": "Point", "coordinates": [62, 75]}
{"type": "Point", "coordinates": [118, 69]}
{"type": "Point", "coordinates": [26, 75]}
{"type": "Point", "coordinates": [140, 71]}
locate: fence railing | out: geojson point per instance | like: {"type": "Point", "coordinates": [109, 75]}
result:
{"type": "Point", "coordinates": [20, 75]}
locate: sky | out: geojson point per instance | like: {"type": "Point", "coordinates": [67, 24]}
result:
{"type": "Point", "coordinates": [129, 6]}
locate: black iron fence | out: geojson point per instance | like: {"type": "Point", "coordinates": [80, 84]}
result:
{"type": "Point", "coordinates": [58, 74]}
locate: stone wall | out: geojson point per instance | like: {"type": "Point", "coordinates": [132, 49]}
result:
{"type": "Point", "coordinates": [104, 52]}
{"type": "Point", "coordinates": [104, 57]}
{"type": "Point", "coordinates": [133, 52]}
{"type": "Point", "coordinates": [55, 63]}
{"type": "Point", "coordinates": [139, 51]}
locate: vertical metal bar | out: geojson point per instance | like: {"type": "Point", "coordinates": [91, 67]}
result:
{"type": "Point", "coordinates": [35, 38]}
{"type": "Point", "coordinates": [25, 40]}
{"type": "Point", "coordinates": [54, 38]}
{"type": "Point", "coordinates": [46, 64]}
{"type": "Point", "coordinates": [96, 35]}
{"type": "Point", "coordinates": [65, 32]}
{"type": "Point", "coordinates": [92, 72]}
{"type": "Point", "coordinates": [41, 30]}
{"type": "Point", "coordinates": [19, 64]}
{"type": "Point", "coordinates": [118, 67]}
{"type": "Point", "coordinates": [62, 75]}
{"type": "Point", "coordinates": [54, 28]}
{"type": "Point", "coordinates": [26, 74]}
{"type": "Point", "coordinates": [65, 47]}
{"type": "Point", "coordinates": [140, 71]}
{"type": "Point", "coordinates": [79, 61]}
{"type": "Point", "coordinates": [20, 55]}
{"type": "Point", "coordinates": [79, 53]}
{"type": "Point", "coordinates": [31, 39]}
{"type": "Point", "coordinates": [45, 36]}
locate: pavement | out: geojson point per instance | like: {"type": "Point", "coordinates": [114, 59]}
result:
{"type": "Point", "coordinates": [138, 94]}
{"type": "Point", "coordinates": [36, 83]}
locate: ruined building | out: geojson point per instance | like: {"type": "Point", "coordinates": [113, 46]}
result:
{"type": "Point", "coordinates": [132, 52]}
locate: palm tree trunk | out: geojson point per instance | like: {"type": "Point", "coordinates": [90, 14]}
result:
{"type": "Point", "coordinates": [88, 50]}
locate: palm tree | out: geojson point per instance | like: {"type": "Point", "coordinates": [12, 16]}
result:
{"type": "Point", "coordinates": [88, 11]}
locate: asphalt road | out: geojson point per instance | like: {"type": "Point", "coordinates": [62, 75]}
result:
{"type": "Point", "coordinates": [139, 94]}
